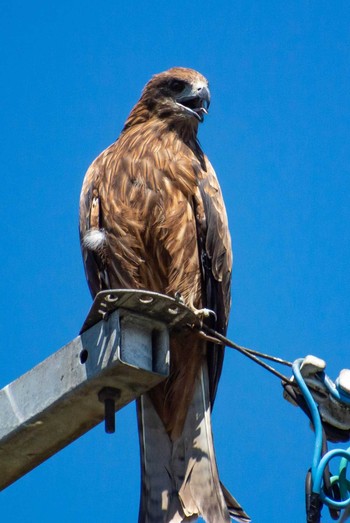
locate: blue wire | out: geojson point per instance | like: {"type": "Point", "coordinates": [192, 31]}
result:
{"type": "Point", "coordinates": [337, 394]}
{"type": "Point", "coordinates": [318, 464]}
{"type": "Point", "coordinates": [316, 420]}
{"type": "Point", "coordinates": [317, 480]}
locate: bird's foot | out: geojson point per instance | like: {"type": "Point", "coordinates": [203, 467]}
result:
{"type": "Point", "coordinates": [204, 313]}
{"type": "Point", "coordinates": [200, 313]}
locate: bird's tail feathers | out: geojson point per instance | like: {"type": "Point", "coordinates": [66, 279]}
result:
{"type": "Point", "coordinates": [180, 478]}
{"type": "Point", "coordinates": [234, 508]}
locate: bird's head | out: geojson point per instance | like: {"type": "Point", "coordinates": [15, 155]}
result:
{"type": "Point", "coordinates": [178, 93]}
{"type": "Point", "coordinates": [180, 97]}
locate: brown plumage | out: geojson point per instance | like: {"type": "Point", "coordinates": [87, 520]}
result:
{"type": "Point", "coordinates": [152, 217]}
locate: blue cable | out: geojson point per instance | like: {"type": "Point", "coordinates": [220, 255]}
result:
{"type": "Point", "coordinates": [318, 464]}
{"type": "Point", "coordinates": [316, 420]}
{"type": "Point", "coordinates": [338, 394]}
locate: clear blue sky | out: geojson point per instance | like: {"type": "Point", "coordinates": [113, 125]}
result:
{"type": "Point", "coordinates": [278, 137]}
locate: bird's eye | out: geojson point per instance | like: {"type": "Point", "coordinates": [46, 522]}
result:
{"type": "Point", "coordinates": [177, 86]}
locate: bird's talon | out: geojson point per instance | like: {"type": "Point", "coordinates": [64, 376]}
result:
{"type": "Point", "coordinates": [204, 313]}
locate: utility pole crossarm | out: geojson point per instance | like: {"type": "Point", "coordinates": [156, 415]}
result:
{"type": "Point", "coordinates": [60, 399]}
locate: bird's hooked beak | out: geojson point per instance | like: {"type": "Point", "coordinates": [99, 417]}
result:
{"type": "Point", "coordinates": [195, 100]}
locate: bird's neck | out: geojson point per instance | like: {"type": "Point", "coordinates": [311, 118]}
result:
{"type": "Point", "coordinates": [163, 121]}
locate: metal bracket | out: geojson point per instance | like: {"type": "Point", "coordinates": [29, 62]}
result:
{"type": "Point", "coordinates": [152, 305]}
{"type": "Point", "coordinates": [58, 400]}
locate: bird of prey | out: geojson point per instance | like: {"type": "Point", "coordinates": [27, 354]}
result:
{"type": "Point", "coordinates": [152, 217]}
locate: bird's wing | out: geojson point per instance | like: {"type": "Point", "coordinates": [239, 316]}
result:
{"type": "Point", "coordinates": [216, 262]}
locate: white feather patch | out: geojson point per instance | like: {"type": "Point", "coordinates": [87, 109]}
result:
{"type": "Point", "coordinates": [94, 239]}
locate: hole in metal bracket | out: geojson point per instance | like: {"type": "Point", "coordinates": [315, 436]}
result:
{"type": "Point", "coordinates": [83, 356]}
{"type": "Point", "coordinates": [111, 298]}
{"type": "Point", "coordinates": [103, 313]}
{"type": "Point", "coordinates": [146, 299]}
{"type": "Point", "coordinates": [173, 310]}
